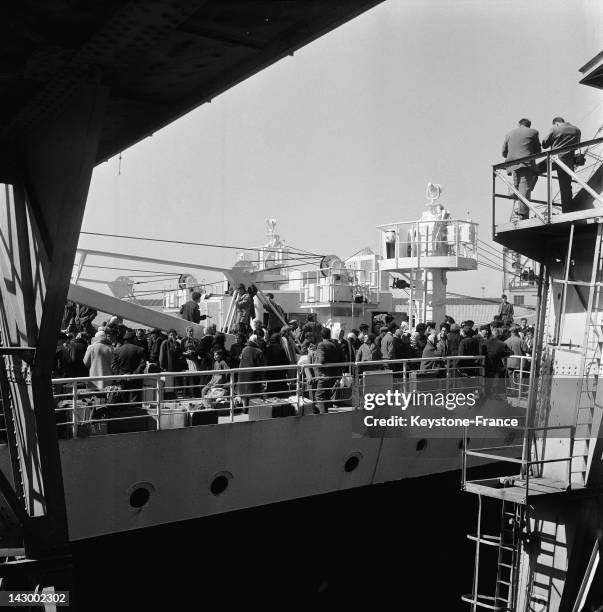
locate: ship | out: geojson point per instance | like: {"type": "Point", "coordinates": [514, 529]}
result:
{"type": "Point", "coordinates": [281, 486]}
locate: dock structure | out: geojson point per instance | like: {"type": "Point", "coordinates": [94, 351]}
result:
{"type": "Point", "coordinates": [547, 555]}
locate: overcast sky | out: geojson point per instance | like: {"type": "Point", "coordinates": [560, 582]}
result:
{"type": "Point", "coordinates": [344, 135]}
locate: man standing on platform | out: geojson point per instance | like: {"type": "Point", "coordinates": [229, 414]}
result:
{"type": "Point", "coordinates": [563, 134]}
{"type": "Point", "coordinates": [521, 142]}
{"type": "Point", "coordinates": [506, 311]}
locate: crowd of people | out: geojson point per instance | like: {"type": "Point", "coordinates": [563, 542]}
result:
{"type": "Point", "coordinates": [113, 349]}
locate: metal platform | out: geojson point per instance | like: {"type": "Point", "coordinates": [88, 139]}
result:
{"type": "Point", "coordinates": [516, 492]}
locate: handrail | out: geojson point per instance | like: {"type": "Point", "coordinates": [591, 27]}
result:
{"type": "Point", "coordinates": [549, 161]}
{"type": "Point", "coordinates": [100, 405]}
{"type": "Point", "coordinates": [389, 225]}
{"type": "Point", "coordinates": [187, 373]}
{"type": "Point", "coordinates": [543, 154]}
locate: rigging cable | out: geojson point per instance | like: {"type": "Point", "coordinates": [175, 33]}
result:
{"type": "Point", "coordinates": [202, 244]}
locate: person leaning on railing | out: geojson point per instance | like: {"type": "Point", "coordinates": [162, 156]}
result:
{"type": "Point", "coordinates": [562, 134]}
{"type": "Point", "coordinates": [326, 353]}
{"type": "Point", "coordinates": [522, 142]}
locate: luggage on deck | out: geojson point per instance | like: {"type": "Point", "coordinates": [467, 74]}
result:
{"type": "Point", "coordinates": [270, 408]}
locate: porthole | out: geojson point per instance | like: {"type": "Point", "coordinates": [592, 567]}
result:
{"type": "Point", "coordinates": [139, 495]}
{"type": "Point", "coordinates": [421, 445]}
{"type": "Point", "coordinates": [351, 463]}
{"type": "Point", "coordinates": [220, 483]}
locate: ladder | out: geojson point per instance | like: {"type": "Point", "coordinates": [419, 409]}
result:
{"type": "Point", "coordinates": [590, 363]}
{"type": "Point", "coordinates": [508, 549]}
{"type": "Point", "coordinates": [508, 555]}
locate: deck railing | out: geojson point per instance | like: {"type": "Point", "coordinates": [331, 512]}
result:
{"type": "Point", "coordinates": [167, 400]}
{"type": "Point", "coordinates": [543, 208]}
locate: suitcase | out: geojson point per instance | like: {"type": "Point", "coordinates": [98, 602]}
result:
{"type": "Point", "coordinates": [174, 415]}
{"type": "Point", "coordinates": [114, 426]}
{"type": "Point", "coordinates": [203, 417]}
{"type": "Point", "coordinates": [271, 408]}
{"type": "Point", "coordinates": [301, 405]}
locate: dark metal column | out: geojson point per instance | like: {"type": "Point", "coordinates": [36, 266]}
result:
{"type": "Point", "coordinates": [41, 212]}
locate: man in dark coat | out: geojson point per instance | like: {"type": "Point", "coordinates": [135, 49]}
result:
{"type": "Point", "coordinates": [495, 351]}
{"type": "Point", "coordinates": [326, 353]}
{"type": "Point", "coordinates": [141, 341]}
{"type": "Point", "coordinates": [563, 134]}
{"type": "Point", "coordinates": [83, 319]}
{"type": "Point", "coordinates": [506, 311]}
{"type": "Point", "coordinates": [77, 351]}
{"type": "Point", "coordinates": [276, 316]}
{"type": "Point", "coordinates": [69, 313]}
{"type": "Point", "coordinates": [190, 310]}
{"type": "Point", "coordinates": [276, 356]}
{"type": "Point", "coordinates": [156, 339]}
{"type": "Point", "coordinates": [129, 359]}
{"type": "Point", "coordinates": [521, 142]}
{"type": "Point", "coordinates": [250, 384]}
{"type": "Point", "coordinates": [468, 347]}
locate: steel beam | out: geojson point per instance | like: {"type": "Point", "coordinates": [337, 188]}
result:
{"type": "Point", "coordinates": [40, 221]}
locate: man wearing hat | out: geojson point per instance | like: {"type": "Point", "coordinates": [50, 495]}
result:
{"type": "Point", "coordinates": [129, 359]}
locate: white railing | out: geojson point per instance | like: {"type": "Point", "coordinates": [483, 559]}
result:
{"type": "Point", "coordinates": [429, 238]}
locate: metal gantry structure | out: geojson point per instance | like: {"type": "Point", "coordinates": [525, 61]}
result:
{"type": "Point", "coordinates": [546, 555]}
